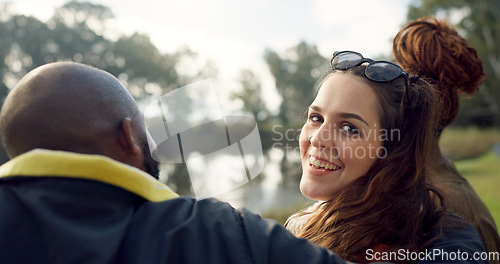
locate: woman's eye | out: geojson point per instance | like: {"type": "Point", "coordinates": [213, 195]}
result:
{"type": "Point", "coordinates": [350, 129]}
{"type": "Point", "coordinates": [315, 118]}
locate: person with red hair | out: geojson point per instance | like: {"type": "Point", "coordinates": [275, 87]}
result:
{"type": "Point", "coordinates": [435, 51]}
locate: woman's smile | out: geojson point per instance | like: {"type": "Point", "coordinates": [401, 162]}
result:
{"type": "Point", "coordinates": [322, 165]}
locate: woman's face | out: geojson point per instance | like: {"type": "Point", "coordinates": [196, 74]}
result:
{"type": "Point", "coordinates": [342, 136]}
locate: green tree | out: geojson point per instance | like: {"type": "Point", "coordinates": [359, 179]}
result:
{"type": "Point", "coordinates": [251, 95]}
{"type": "Point", "coordinates": [296, 73]}
{"type": "Point", "coordinates": [479, 23]}
{"type": "Point", "coordinates": [76, 32]}
{"type": "Point", "coordinates": [252, 99]}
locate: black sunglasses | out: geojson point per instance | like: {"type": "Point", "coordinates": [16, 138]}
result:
{"type": "Point", "coordinates": [377, 71]}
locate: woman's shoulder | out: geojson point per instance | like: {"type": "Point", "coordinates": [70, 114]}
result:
{"type": "Point", "coordinates": [296, 221]}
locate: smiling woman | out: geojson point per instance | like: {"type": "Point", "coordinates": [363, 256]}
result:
{"type": "Point", "coordinates": [372, 191]}
{"type": "Point", "coordinates": [335, 136]}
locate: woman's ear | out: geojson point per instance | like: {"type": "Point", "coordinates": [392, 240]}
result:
{"type": "Point", "coordinates": [129, 140]}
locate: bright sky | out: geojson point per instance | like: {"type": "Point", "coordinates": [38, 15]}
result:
{"type": "Point", "coordinates": [234, 34]}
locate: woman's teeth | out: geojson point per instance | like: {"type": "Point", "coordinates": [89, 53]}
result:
{"type": "Point", "coordinates": [317, 164]}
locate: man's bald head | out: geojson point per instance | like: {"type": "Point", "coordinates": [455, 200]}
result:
{"type": "Point", "coordinates": [67, 106]}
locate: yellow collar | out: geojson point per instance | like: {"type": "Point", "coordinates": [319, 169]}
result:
{"type": "Point", "coordinates": [48, 163]}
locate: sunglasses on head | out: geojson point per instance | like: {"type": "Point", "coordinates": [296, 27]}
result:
{"type": "Point", "coordinates": [377, 71]}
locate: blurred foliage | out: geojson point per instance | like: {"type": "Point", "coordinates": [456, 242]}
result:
{"type": "Point", "coordinates": [470, 142]}
{"type": "Point", "coordinates": [76, 32]}
{"type": "Point", "coordinates": [296, 73]}
{"type": "Point", "coordinates": [479, 22]}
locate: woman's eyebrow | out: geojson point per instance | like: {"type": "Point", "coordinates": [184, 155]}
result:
{"type": "Point", "coordinates": [343, 115]}
{"type": "Point", "coordinates": [352, 115]}
{"type": "Point", "coordinates": [315, 108]}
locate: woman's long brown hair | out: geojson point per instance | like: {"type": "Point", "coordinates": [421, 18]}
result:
{"type": "Point", "coordinates": [392, 205]}
{"type": "Point", "coordinates": [434, 50]}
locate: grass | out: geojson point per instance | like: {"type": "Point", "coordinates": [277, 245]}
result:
{"type": "Point", "coordinates": [483, 173]}
{"type": "Point", "coordinates": [471, 149]}
{"type": "Point", "coordinates": [467, 143]}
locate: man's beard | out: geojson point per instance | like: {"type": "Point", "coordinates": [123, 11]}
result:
{"type": "Point", "coordinates": [151, 166]}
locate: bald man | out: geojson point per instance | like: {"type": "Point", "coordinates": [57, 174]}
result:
{"type": "Point", "coordinates": [81, 186]}
{"type": "Point", "coordinates": [72, 107]}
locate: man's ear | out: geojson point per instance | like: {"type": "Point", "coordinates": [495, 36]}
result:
{"type": "Point", "coordinates": [128, 137]}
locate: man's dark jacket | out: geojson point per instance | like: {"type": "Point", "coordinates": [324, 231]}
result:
{"type": "Point", "coordinates": [60, 207]}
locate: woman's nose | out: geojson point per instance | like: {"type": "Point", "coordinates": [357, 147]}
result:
{"type": "Point", "coordinates": [323, 137]}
